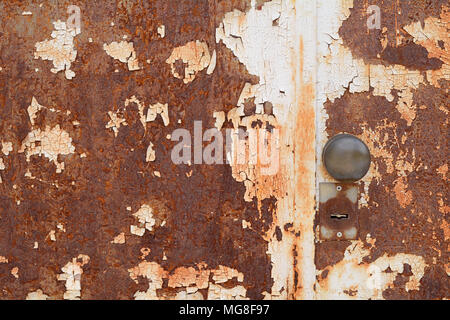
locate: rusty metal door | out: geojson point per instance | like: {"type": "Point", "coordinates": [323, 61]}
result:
{"type": "Point", "coordinates": [121, 122]}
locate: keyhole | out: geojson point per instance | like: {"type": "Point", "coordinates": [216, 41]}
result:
{"type": "Point", "coordinates": [339, 216]}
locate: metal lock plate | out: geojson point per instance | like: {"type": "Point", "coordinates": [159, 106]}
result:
{"type": "Point", "coordinates": [338, 211]}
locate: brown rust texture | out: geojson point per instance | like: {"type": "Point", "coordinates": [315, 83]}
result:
{"type": "Point", "coordinates": [407, 209]}
{"type": "Point", "coordinates": [203, 206]}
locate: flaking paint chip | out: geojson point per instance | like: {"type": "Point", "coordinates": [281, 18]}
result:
{"type": "Point", "coordinates": [37, 295]}
{"type": "Point", "coordinates": [158, 108]}
{"type": "Point", "coordinates": [145, 218]}
{"type": "Point", "coordinates": [52, 235]}
{"type": "Point", "coordinates": [6, 147]}
{"type": "Point", "coordinates": [115, 122]}
{"type": "Point", "coordinates": [119, 239]}
{"type": "Point", "coordinates": [72, 273]}
{"type": "Point", "coordinates": [137, 230]}
{"type": "Point", "coordinates": [15, 272]}
{"type": "Point", "coordinates": [220, 119]}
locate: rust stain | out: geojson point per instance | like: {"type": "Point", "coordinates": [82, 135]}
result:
{"type": "Point", "coordinates": [399, 49]}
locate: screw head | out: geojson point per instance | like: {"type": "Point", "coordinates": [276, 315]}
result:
{"type": "Point", "coordinates": [346, 157]}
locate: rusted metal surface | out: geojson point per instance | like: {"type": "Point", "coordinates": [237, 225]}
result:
{"type": "Point", "coordinates": [338, 211]}
{"type": "Point", "coordinates": [93, 207]}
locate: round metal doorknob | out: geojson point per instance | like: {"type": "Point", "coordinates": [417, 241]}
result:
{"type": "Point", "coordinates": [346, 157]}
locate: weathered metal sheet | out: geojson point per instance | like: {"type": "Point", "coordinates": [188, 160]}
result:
{"type": "Point", "coordinates": [93, 206]}
{"type": "Point", "coordinates": [80, 165]}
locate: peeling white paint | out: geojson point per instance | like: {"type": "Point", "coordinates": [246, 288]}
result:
{"type": "Point", "coordinates": [151, 155]}
{"type": "Point", "coordinates": [266, 40]}
{"type": "Point", "coordinates": [6, 147]}
{"type": "Point", "coordinates": [158, 108]}
{"type": "Point", "coordinates": [220, 119]}
{"type": "Point", "coordinates": [212, 64]}
{"type": "Point", "coordinates": [154, 273]}
{"type": "Point", "coordinates": [72, 272]}
{"type": "Point", "coordinates": [190, 280]}
{"type": "Point", "coordinates": [115, 122]}
{"type": "Point", "coordinates": [48, 143]}
{"type": "Point", "coordinates": [195, 55]}
{"type": "Point", "coordinates": [146, 220]}
{"type": "Point", "coordinates": [33, 109]}
{"type": "Point", "coordinates": [52, 235]}
{"type": "Point", "coordinates": [153, 110]}
{"type": "Point", "coordinates": [119, 239]}
{"type": "Point", "coordinates": [338, 71]}
{"type": "Point", "coordinates": [37, 295]}
{"type": "Point", "coordinates": [351, 278]}
{"type": "Point", "coordinates": [162, 31]}
{"type": "Point", "coordinates": [217, 292]}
